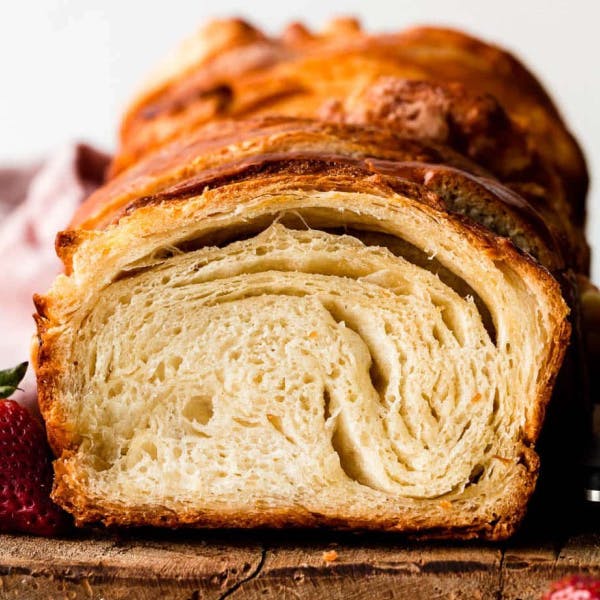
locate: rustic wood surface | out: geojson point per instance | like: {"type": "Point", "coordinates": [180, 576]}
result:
{"type": "Point", "coordinates": [232, 564]}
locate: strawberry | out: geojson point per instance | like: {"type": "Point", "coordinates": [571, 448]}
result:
{"type": "Point", "coordinates": [575, 587]}
{"type": "Point", "coordinates": [25, 467]}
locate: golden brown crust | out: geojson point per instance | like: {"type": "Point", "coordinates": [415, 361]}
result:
{"type": "Point", "coordinates": [215, 144]}
{"type": "Point", "coordinates": [477, 127]}
{"type": "Point", "coordinates": [294, 150]}
{"type": "Point", "coordinates": [302, 74]}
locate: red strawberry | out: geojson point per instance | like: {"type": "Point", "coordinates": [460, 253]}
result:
{"type": "Point", "coordinates": [25, 467]}
{"type": "Point", "coordinates": [575, 587]}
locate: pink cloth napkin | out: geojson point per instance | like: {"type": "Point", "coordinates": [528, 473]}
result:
{"type": "Point", "coordinates": [36, 201]}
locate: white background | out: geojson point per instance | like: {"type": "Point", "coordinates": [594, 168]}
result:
{"type": "Point", "coordinates": [68, 67]}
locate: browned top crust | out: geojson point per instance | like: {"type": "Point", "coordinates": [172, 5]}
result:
{"type": "Point", "coordinates": [217, 143]}
{"type": "Point", "coordinates": [296, 149]}
{"type": "Point", "coordinates": [433, 84]}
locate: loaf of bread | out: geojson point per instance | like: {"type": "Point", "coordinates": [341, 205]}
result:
{"type": "Point", "coordinates": [301, 321]}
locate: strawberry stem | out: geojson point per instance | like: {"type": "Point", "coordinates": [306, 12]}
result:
{"type": "Point", "coordinates": [10, 379]}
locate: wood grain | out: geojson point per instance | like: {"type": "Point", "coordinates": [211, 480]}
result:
{"type": "Point", "coordinates": [232, 564]}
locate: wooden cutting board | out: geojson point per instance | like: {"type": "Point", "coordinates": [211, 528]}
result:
{"type": "Point", "coordinates": [233, 564]}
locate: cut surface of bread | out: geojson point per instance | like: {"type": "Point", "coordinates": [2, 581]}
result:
{"type": "Point", "coordinates": [298, 358]}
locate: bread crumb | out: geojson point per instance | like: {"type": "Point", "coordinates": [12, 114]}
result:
{"type": "Point", "coordinates": [445, 504]}
{"type": "Point", "coordinates": [330, 556]}
{"type": "Point", "coordinates": [476, 397]}
{"type": "Point", "coordinates": [313, 334]}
